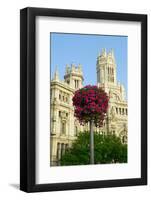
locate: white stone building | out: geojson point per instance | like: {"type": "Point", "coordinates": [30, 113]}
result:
{"type": "Point", "coordinates": [64, 126]}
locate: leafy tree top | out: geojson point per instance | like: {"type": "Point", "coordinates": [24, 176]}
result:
{"type": "Point", "coordinates": [107, 148]}
{"type": "Point", "coordinates": [91, 103]}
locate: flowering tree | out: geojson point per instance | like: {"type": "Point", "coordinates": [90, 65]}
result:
{"type": "Point", "coordinates": [91, 104]}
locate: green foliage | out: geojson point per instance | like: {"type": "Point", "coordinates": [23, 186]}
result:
{"type": "Point", "coordinates": [107, 149]}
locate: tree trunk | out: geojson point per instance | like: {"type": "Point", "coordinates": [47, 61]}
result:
{"type": "Point", "coordinates": [91, 143]}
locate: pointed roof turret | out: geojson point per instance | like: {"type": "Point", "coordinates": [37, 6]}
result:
{"type": "Point", "coordinates": [56, 74]}
{"type": "Point", "coordinates": [103, 53]}
{"type": "Point", "coordinates": [111, 53]}
{"type": "Point", "coordinates": [67, 69]}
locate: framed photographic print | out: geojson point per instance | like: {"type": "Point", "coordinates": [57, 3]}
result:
{"type": "Point", "coordinates": [83, 99]}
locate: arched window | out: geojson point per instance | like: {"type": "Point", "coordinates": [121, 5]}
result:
{"type": "Point", "coordinates": [122, 111]}
{"type": "Point", "coordinates": [63, 128]}
{"type": "Point", "coordinates": [76, 83]}
{"type": "Point", "coordinates": [62, 149]}
{"type": "Point", "coordinates": [126, 111]}
{"type": "Point", "coordinates": [66, 147]}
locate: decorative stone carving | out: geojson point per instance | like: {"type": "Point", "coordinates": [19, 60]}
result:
{"type": "Point", "coordinates": [63, 115]}
{"type": "Point", "coordinates": [113, 114]}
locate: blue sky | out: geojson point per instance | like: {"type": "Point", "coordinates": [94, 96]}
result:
{"type": "Point", "coordinates": [83, 49]}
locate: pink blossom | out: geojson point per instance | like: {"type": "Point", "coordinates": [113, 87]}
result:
{"type": "Point", "coordinates": [91, 103]}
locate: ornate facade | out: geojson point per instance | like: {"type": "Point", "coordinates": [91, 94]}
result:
{"type": "Point", "coordinates": [64, 126]}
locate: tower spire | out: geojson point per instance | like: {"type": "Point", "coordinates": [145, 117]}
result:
{"type": "Point", "coordinates": [56, 74]}
{"type": "Point", "coordinates": [106, 67]}
{"type": "Point", "coordinates": [111, 53]}
{"type": "Point", "coordinates": [103, 53]}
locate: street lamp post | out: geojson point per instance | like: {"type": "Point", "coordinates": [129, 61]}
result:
{"type": "Point", "coordinates": [91, 143]}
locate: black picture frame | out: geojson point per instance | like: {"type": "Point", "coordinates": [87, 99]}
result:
{"type": "Point", "coordinates": [28, 99]}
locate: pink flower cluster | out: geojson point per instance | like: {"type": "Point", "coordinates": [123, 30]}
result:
{"type": "Point", "coordinates": [91, 103]}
